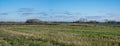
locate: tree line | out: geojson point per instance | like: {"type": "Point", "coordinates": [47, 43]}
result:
{"type": "Point", "coordinates": [40, 22]}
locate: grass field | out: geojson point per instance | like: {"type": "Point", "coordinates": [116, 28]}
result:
{"type": "Point", "coordinates": [59, 35]}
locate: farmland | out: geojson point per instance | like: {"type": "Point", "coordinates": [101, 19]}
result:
{"type": "Point", "coordinates": [59, 35]}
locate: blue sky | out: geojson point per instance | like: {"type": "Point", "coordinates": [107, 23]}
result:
{"type": "Point", "coordinates": [59, 10]}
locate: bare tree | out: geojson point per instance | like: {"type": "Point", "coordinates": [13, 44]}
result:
{"type": "Point", "coordinates": [93, 21]}
{"type": "Point", "coordinates": [111, 22]}
{"type": "Point", "coordinates": [81, 20]}
{"type": "Point", "coordinates": [34, 21]}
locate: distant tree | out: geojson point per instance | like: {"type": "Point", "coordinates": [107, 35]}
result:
{"type": "Point", "coordinates": [118, 22]}
{"type": "Point", "coordinates": [33, 21]}
{"type": "Point", "coordinates": [111, 22]}
{"type": "Point", "coordinates": [81, 20]}
{"type": "Point", "coordinates": [93, 21]}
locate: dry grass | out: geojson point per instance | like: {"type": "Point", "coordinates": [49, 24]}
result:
{"type": "Point", "coordinates": [47, 35]}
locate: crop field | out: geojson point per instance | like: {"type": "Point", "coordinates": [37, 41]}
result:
{"type": "Point", "coordinates": [59, 35]}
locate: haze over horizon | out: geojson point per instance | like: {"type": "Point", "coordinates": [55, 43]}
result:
{"type": "Point", "coordinates": [59, 10]}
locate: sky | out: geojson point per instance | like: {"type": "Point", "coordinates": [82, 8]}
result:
{"type": "Point", "coordinates": [59, 10]}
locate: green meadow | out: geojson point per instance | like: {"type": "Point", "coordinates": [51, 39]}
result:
{"type": "Point", "coordinates": [59, 35]}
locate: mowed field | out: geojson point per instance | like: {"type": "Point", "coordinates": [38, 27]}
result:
{"type": "Point", "coordinates": [59, 35]}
